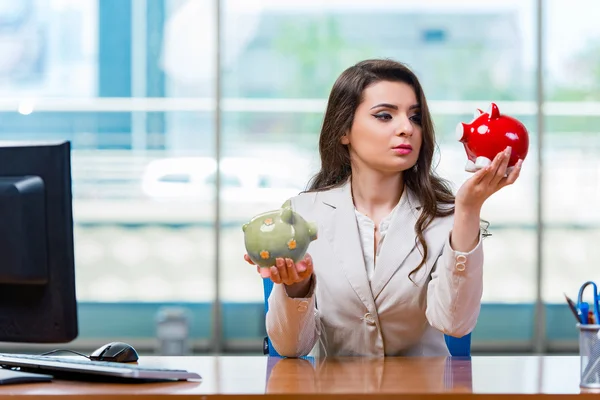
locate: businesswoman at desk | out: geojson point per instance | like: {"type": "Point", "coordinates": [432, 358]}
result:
{"type": "Point", "coordinates": [399, 259]}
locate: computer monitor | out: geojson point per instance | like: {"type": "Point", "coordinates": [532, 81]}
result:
{"type": "Point", "coordinates": [37, 278]}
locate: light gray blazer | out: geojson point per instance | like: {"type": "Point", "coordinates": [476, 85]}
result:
{"type": "Point", "coordinates": [391, 315]}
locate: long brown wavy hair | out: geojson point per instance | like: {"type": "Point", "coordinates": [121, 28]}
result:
{"type": "Point", "coordinates": [434, 192]}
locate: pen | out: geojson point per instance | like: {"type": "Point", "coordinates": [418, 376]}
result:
{"type": "Point", "coordinates": [572, 306]}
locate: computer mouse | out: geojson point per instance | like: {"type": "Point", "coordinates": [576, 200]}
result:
{"type": "Point", "coordinates": [115, 352]}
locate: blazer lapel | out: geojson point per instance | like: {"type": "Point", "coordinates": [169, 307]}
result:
{"type": "Point", "coordinates": [342, 232]}
{"type": "Point", "coordinates": [398, 243]}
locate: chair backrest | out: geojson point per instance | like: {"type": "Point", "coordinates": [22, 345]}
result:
{"type": "Point", "coordinates": [458, 347]}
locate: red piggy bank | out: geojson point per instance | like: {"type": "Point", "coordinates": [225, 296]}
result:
{"type": "Point", "coordinates": [489, 134]}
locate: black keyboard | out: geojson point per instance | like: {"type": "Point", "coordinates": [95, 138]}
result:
{"type": "Point", "coordinates": [83, 369]}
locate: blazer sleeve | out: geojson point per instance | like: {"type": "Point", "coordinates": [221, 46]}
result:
{"type": "Point", "coordinates": [455, 290]}
{"type": "Point", "coordinates": [291, 323]}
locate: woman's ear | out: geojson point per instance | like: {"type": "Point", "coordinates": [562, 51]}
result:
{"type": "Point", "coordinates": [344, 139]}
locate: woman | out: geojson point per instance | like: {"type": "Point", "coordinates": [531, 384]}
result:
{"type": "Point", "coordinates": [399, 260]}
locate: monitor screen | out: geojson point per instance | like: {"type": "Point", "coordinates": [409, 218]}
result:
{"type": "Point", "coordinates": [37, 278]}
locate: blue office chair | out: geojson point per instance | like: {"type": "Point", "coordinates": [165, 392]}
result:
{"type": "Point", "coordinates": [458, 347]}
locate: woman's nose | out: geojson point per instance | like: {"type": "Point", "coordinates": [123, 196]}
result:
{"type": "Point", "coordinates": [405, 128]}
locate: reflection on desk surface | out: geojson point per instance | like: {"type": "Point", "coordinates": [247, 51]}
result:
{"type": "Point", "coordinates": [492, 375]}
{"type": "Point", "coordinates": [366, 375]}
{"type": "Point", "coordinates": [324, 377]}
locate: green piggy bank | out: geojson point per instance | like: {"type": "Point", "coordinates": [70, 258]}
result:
{"type": "Point", "coordinates": [279, 233]}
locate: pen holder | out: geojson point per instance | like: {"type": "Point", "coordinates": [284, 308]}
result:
{"type": "Point", "coordinates": [589, 355]}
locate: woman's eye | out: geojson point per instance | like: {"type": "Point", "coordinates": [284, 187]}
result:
{"type": "Point", "coordinates": [416, 118]}
{"type": "Point", "coordinates": [383, 116]}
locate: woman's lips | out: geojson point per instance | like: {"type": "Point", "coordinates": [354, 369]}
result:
{"type": "Point", "coordinates": [403, 149]}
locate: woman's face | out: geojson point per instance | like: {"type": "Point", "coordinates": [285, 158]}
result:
{"type": "Point", "coordinates": [386, 132]}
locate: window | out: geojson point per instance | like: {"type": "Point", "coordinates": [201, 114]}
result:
{"type": "Point", "coordinates": [132, 85]}
{"type": "Point", "coordinates": [478, 58]}
{"type": "Point", "coordinates": [571, 169]}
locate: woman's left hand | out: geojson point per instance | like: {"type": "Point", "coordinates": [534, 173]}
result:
{"type": "Point", "coordinates": [487, 181]}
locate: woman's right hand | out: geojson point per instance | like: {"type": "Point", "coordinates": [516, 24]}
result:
{"type": "Point", "coordinates": [287, 272]}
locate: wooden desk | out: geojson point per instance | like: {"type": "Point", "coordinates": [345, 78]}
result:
{"type": "Point", "coordinates": [358, 378]}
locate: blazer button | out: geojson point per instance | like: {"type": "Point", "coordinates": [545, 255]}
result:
{"type": "Point", "coordinates": [460, 267]}
{"type": "Point", "coordinates": [369, 319]}
{"type": "Point", "coordinates": [303, 306]}
{"type": "Point", "coordinates": [461, 258]}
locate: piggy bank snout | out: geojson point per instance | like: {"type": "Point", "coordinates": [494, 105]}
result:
{"type": "Point", "coordinates": [313, 231]}
{"type": "Point", "coordinates": [461, 131]}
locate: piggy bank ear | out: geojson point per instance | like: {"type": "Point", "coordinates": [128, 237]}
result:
{"type": "Point", "coordinates": [287, 215]}
{"type": "Point", "coordinates": [493, 111]}
{"type": "Point", "coordinates": [244, 227]}
{"type": "Point", "coordinates": [478, 112]}
{"type": "Point", "coordinates": [287, 204]}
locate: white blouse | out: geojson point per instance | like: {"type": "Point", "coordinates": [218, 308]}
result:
{"type": "Point", "coordinates": [366, 231]}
